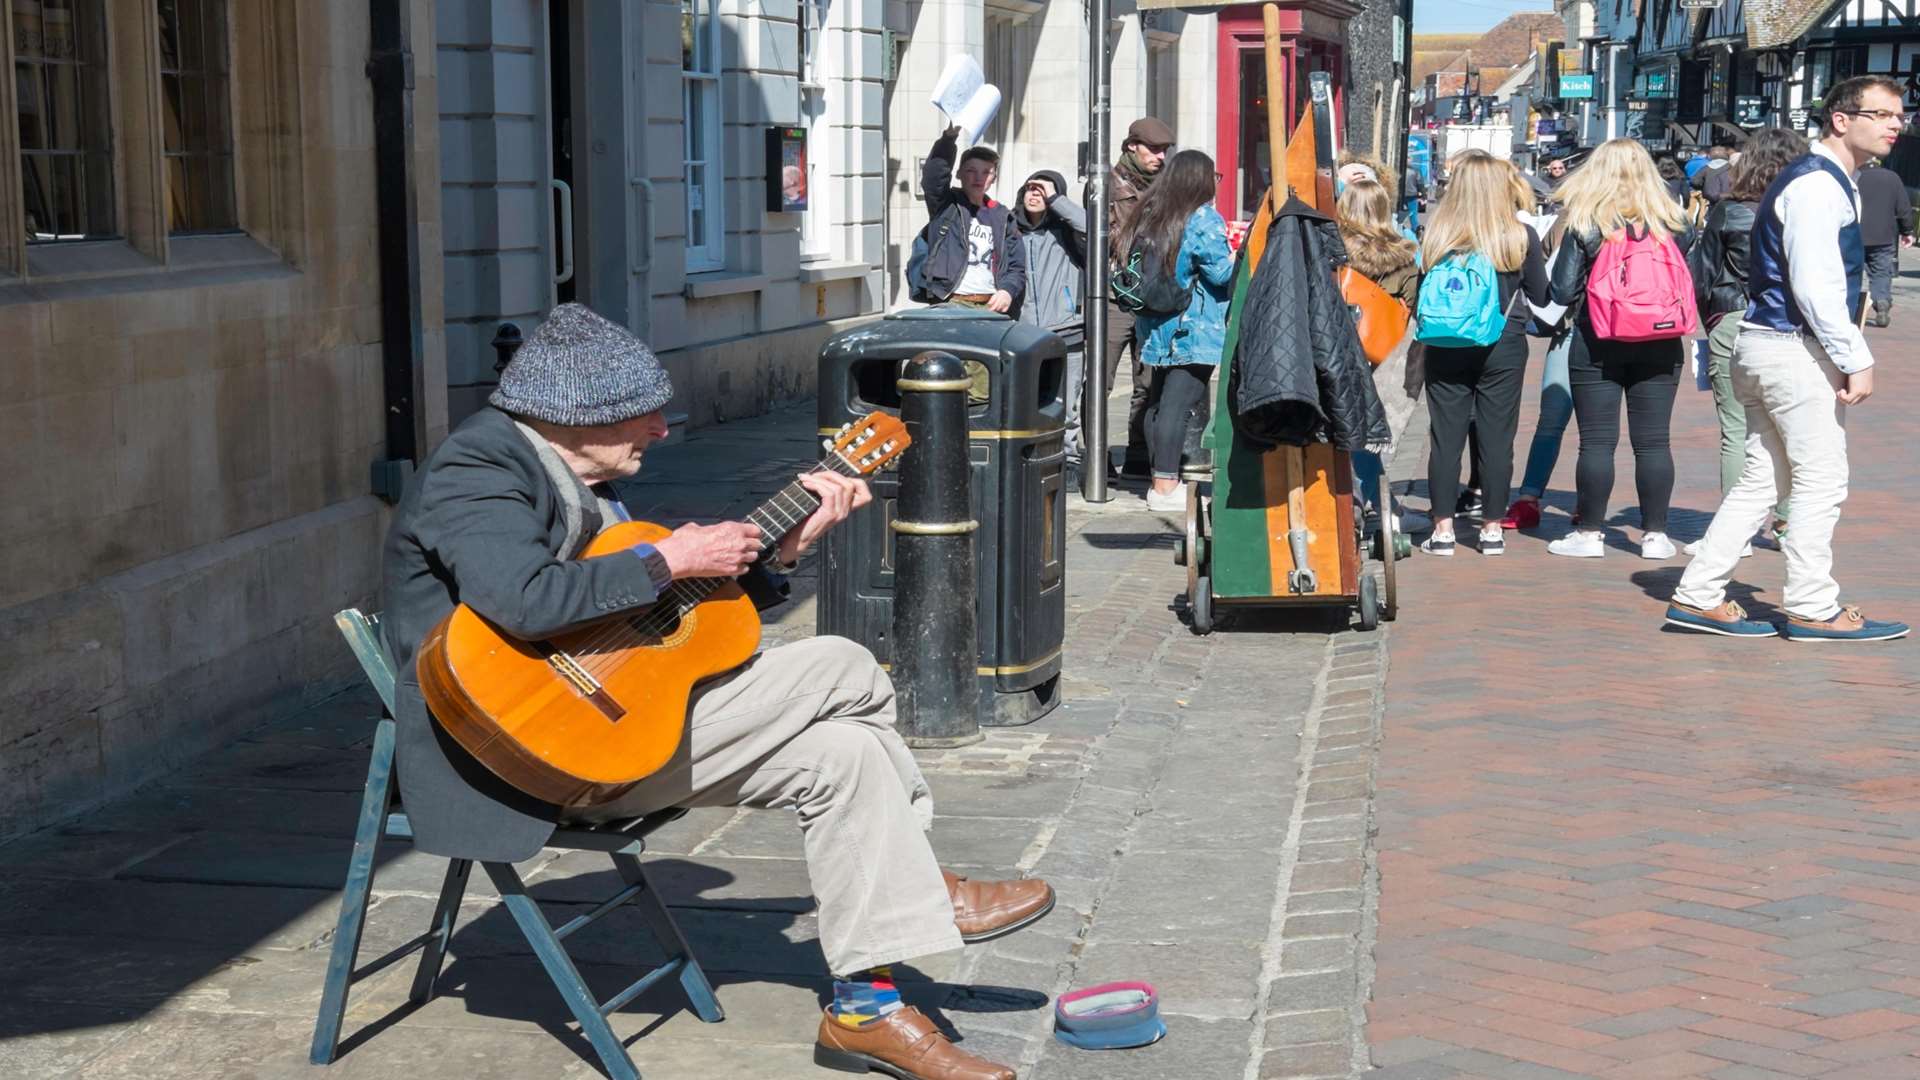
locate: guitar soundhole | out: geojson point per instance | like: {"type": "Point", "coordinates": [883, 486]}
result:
{"type": "Point", "coordinates": [651, 635]}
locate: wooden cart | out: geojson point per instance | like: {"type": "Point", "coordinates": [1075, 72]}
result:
{"type": "Point", "coordinates": [1283, 527]}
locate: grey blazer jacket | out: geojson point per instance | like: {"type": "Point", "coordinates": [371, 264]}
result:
{"type": "Point", "coordinates": [481, 524]}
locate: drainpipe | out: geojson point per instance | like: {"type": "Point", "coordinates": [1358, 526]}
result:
{"type": "Point", "coordinates": [390, 67]}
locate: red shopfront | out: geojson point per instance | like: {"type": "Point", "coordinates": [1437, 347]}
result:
{"type": "Point", "coordinates": [1312, 38]}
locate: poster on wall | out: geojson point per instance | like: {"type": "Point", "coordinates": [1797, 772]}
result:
{"type": "Point", "coordinates": [786, 170]}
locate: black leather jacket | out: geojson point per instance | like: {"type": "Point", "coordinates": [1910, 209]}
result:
{"type": "Point", "coordinates": [1719, 263]}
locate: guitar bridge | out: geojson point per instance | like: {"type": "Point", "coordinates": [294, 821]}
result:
{"type": "Point", "coordinates": [584, 683]}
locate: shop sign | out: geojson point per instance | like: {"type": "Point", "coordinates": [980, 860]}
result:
{"type": "Point", "coordinates": [1749, 111]}
{"type": "Point", "coordinates": [1576, 86]}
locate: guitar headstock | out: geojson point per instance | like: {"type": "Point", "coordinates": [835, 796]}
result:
{"type": "Point", "coordinates": [868, 445]}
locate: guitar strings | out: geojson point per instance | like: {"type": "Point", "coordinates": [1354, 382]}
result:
{"type": "Point", "coordinates": [682, 596]}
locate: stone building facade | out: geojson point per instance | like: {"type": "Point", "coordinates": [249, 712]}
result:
{"type": "Point", "coordinates": [193, 395]}
{"type": "Point", "coordinates": [191, 382]}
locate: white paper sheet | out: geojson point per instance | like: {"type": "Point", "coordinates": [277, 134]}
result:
{"type": "Point", "coordinates": [966, 97]}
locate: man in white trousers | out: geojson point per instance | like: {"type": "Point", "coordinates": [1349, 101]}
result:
{"type": "Point", "coordinates": [1799, 362]}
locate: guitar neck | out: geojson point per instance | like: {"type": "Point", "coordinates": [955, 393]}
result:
{"type": "Point", "coordinates": [775, 518]}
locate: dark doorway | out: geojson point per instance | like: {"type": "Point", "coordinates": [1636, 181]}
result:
{"type": "Point", "coordinates": [560, 93]}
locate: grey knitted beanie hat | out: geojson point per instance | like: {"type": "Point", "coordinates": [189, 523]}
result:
{"type": "Point", "coordinates": [580, 370]}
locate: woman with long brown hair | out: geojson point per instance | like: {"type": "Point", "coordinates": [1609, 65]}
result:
{"type": "Point", "coordinates": [1617, 195]}
{"type": "Point", "coordinates": [1477, 224]}
{"type": "Point", "coordinates": [1179, 229]}
{"type": "Point", "coordinates": [1720, 278]}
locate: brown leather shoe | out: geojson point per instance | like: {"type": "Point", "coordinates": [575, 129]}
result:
{"type": "Point", "coordinates": [902, 1044]}
{"type": "Point", "coordinates": [984, 910]}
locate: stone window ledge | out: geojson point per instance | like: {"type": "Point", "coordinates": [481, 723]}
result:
{"type": "Point", "coordinates": [831, 270]}
{"type": "Point", "coordinates": [98, 268]}
{"type": "Point", "coordinates": [723, 283]}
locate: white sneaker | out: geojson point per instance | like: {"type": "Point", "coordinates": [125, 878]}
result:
{"type": "Point", "coordinates": [1694, 548]}
{"type": "Point", "coordinates": [1174, 501]}
{"type": "Point", "coordinates": [1580, 544]}
{"type": "Point", "coordinates": [1655, 545]}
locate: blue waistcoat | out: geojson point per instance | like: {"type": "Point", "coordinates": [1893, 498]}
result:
{"type": "Point", "coordinates": [1769, 296]}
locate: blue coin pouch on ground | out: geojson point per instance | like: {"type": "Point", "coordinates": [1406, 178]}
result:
{"type": "Point", "coordinates": [1112, 1016]}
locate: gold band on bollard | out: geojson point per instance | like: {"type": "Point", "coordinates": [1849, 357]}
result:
{"type": "Point", "coordinates": [935, 384]}
{"type": "Point", "coordinates": [933, 528]}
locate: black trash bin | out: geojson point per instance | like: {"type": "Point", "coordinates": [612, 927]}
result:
{"type": "Point", "coordinates": [1018, 451]}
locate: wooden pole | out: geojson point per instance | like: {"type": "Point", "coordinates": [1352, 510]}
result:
{"type": "Point", "coordinates": [1276, 107]}
{"type": "Point", "coordinates": [1292, 458]}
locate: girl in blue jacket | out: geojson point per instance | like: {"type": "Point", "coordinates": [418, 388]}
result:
{"type": "Point", "coordinates": [1183, 348]}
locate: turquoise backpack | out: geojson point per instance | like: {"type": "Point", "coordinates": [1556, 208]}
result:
{"type": "Point", "coordinates": [1459, 305]}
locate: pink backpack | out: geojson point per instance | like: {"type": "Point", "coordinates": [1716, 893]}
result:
{"type": "Point", "coordinates": [1640, 289]}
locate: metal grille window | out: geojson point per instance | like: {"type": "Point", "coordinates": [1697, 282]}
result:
{"type": "Point", "coordinates": [700, 115]}
{"type": "Point", "coordinates": [194, 77]}
{"type": "Point", "coordinates": [66, 147]}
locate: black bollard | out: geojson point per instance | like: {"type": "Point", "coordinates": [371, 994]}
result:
{"type": "Point", "coordinates": [506, 342]}
{"type": "Point", "coordinates": [935, 644]}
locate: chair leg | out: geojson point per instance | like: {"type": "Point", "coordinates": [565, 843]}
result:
{"type": "Point", "coordinates": [445, 913]}
{"type": "Point", "coordinates": [566, 978]}
{"type": "Point", "coordinates": [354, 896]}
{"type": "Point", "coordinates": [693, 978]}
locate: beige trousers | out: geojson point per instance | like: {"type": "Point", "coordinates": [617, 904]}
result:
{"type": "Point", "coordinates": [808, 727]}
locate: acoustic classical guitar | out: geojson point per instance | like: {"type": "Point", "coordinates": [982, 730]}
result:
{"type": "Point", "coordinates": [580, 718]}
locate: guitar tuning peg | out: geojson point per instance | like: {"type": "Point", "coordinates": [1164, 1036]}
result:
{"type": "Point", "coordinates": [826, 444]}
{"type": "Point", "coordinates": [867, 434]}
{"type": "Point", "coordinates": [848, 426]}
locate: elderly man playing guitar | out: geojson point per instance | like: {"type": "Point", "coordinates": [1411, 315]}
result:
{"type": "Point", "coordinates": [493, 524]}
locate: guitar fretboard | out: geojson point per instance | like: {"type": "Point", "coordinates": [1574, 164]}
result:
{"type": "Point", "coordinates": [774, 518]}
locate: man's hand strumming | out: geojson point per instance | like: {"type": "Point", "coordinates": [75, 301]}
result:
{"type": "Point", "coordinates": [711, 551]}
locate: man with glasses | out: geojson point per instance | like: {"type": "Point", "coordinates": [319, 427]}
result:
{"type": "Point", "coordinates": [1799, 361]}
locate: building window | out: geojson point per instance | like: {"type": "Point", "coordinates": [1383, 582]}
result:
{"type": "Point", "coordinates": [1163, 81]}
{"type": "Point", "coordinates": [816, 222]}
{"type": "Point", "coordinates": [700, 115]}
{"type": "Point", "coordinates": [66, 144]}
{"type": "Point", "coordinates": [194, 76]}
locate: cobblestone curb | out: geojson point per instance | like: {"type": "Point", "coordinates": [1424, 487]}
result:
{"type": "Point", "coordinates": [1317, 970]}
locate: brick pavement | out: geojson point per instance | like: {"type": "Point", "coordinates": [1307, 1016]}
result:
{"type": "Point", "coordinates": [1607, 850]}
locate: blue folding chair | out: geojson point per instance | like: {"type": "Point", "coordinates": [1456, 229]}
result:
{"type": "Point", "coordinates": [382, 817]}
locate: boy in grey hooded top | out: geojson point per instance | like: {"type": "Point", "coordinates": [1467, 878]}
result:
{"type": "Point", "coordinates": [1053, 229]}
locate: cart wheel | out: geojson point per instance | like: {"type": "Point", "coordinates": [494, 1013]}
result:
{"type": "Point", "coordinates": [1200, 605]}
{"type": "Point", "coordinates": [1195, 548]}
{"type": "Point", "coordinates": [1390, 541]}
{"type": "Point", "coordinates": [1369, 603]}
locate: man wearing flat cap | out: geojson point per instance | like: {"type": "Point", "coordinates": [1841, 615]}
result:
{"type": "Point", "coordinates": [494, 519]}
{"type": "Point", "coordinates": [1141, 156]}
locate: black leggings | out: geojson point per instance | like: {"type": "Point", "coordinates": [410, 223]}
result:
{"type": "Point", "coordinates": [1647, 375]}
{"type": "Point", "coordinates": [1177, 389]}
{"type": "Point", "coordinates": [1477, 387]}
